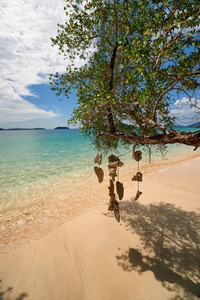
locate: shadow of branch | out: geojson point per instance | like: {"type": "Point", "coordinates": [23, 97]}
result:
{"type": "Point", "coordinates": [6, 295]}
{"type": "Point", "coordinates": [170, 244]}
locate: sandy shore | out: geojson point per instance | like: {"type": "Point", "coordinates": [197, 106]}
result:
{"type": "Point", "coordinates": [153, 253]}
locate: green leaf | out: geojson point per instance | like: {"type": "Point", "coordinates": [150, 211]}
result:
{"type": "Point", "coordinates": [154, 46]}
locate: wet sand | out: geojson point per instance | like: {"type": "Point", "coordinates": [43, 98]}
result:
{"type": "Point", "coordinates": [153, 253]}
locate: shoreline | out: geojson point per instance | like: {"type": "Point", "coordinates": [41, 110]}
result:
{"type": "Point", "coordinates": [151, 254]}
{"type": "Point", "coordinates": [33, 223]}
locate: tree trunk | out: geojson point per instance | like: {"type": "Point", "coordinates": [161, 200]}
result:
{"type": "Point", "coordinates": [110, 88]}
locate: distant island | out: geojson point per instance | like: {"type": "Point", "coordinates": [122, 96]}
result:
{"type": "Point", "coordinates": [22, 129]}
{"type": "Point", "coordinates": [60, 127]}
{"type": "Point", "coordinates": [194, 125]}
{"type": "Point", "coordinates": [9, 129]}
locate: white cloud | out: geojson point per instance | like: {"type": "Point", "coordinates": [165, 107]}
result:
{"type": "Point", "coordinates": [26, 54]}
{"type": "Point", "coordinates": [14, 108]}
{"type": "Point", "coordinates": [186, 110]}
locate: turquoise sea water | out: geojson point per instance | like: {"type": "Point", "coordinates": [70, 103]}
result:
{"type": "Point", "coordinates": [33, 156]}
{"type": "Point", "coordinates": [28, 157]}
{"type": "Point", "coordinates": [46, 178]}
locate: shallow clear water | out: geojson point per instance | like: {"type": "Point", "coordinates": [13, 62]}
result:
{"type": "Point", "coordinates": [32, 156]}
{"type": "Point", "coordinates": [46, 178]}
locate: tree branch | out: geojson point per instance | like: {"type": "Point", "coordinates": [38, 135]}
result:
{"type": "Point", "coordinates": [178, 76]}
{"type": "Point", "coordinates": [172, 137]}
{"type": "Point", "coordinates": [108, 108]}
{"type": "Point", "coordinates": [146, 121]}
{"type": "Point", "coordinates": [161, 96]}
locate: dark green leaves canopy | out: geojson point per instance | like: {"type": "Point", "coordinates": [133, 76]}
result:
{"type": "Point", "coordinates": [135, 57]}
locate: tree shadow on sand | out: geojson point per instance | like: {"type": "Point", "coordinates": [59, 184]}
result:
{"type": "Point", "coordinates": [170, 246]}
{"type": "Point", "coordinates": [6, 295]}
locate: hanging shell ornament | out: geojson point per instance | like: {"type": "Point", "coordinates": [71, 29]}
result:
{"type": "Point", "coordinates": [137, 177]}
{"type": "Point", "coordinates": [138, 194]}
{"type": "Point", "coordinates": [114, 162]}
{"type": "Point", "coordinates": [98, 158]}
{"type": "Point", "coordinates": [112, 172]}
{"type": "Point", "coordinates": [137, 155]}
{"type": "Point", "coordinates": [113, 158]}
{"type": "Point", "coordinates": [99, 172]}
{"type": "Point", "coordinates": [111, 188]}
{"type": "Point", "coordinates": [120, 190]}
{"type": "Point", "coordinates": [116, 211]}
{"type": "Point", "coordinates": [112, 196]}
{"type": "Point", "coordinates": [111, 203]}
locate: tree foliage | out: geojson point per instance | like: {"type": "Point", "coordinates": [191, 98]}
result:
{"type": "Point", "coordinates": [136, 57]}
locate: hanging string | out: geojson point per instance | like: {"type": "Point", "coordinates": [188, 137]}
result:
{"type": "Point", "coordinates": [138, 171]}
{"type": "Point", "coordinates": [98, 146]}
{"type": "Point", "coordinates": [116, 195]}
{"type": "Point", "coordinates": [138, 149]}
{"type": "Point", "coordinates": [138, 168]}
{"type": "Point", "coordinates": [125, 153]}
{"type": "Point", "coordinates": [149, 155]}
{"type": "Point", "coordinates": [118, 172]}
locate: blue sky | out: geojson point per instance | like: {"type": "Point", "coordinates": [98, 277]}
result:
{"type": "Point", "coordinates": [47, 100]}
{"type": "Point", "coordinates": [26, 60]}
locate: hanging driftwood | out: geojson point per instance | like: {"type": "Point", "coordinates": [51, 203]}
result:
{"type": "Point", "coordinates": [137, 155]}
{"type": "Point", "coordinates": [137, 177]}
{"type": "Point", "coordinates": [111, 189]}
{"type": "Point", "coordinates": [138, 194]}
{"type": "Point", "coordinates": [98, 158]}
{"type": "Point", "coordinates": [116, 211]}
{"type": "Point", "coordinates": [114, 162]}
{"type": "Point", "coordinates": [111, 204]}
{"type": "Point", "coordinates": [120, 190]}
{"type": "Point", "coordinates": [100, 174]}
{"type": "Point", "coordinates": [112, 172]}
{"type": "Point", "coordinates": [113, 158]}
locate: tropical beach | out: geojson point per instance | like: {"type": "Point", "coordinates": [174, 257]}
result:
{"type": "Point", "coordinates": [48, 178]}
{"type": "Point", "coordinates": [73, 248]}
{"type": "Point", "coordinates": [151, 254]}
{"type": "Point", "coordinates": [100, 150]}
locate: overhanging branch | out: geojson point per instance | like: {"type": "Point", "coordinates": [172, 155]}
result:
{"type": "Point", "coordinates": [161, 96]}
{"type": "Point", "coordinates": [172, 137]}
{"type": "Point", "coordinates": [143, 120]}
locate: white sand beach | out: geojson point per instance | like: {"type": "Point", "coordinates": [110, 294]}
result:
{"type": "Point", "coordinates": [152, 254]}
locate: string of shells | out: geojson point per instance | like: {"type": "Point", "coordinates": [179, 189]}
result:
{"type": "Point", "coordinates": [116, 188]}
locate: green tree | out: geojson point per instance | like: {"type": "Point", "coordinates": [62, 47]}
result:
{"type": "Point", "coordinates": [136, 57]}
